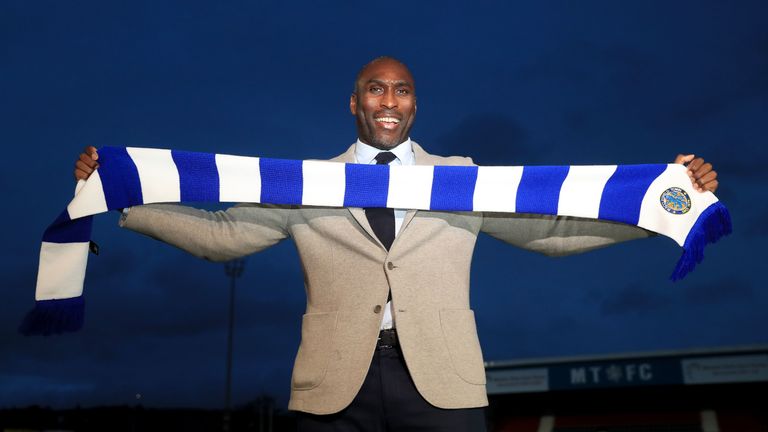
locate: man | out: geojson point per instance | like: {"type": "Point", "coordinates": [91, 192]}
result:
{"type": "Point", "coordinates": [388, 339]}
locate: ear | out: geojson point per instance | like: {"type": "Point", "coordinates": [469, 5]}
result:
{"type": "Point", "coordinates": [353, 104]}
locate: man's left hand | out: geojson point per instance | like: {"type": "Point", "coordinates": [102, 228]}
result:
{"type": "Point", "coordinates": [703, 177]}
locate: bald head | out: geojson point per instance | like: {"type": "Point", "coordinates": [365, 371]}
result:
{"type": "Point", "coordinates": [374, 62]}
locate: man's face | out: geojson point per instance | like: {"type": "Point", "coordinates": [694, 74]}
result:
{"type": "Point", "coordinates": [384, 104]}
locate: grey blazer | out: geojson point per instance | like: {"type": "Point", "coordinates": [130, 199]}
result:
{"type": "Point", "coordinates": [348, 274]}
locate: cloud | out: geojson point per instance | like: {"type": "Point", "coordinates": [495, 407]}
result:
{"type": "Point", "coordinates": [20, 387]}
{"type": "Point", "coordinates": [641, 299]}
{"type": "Point", "coordinates": [727, 289]}
{"type": "Point", "coordinates": [112, 264]}
{"type": "Point", "coordinates": [632, 298]}
{"type": "Point", "coordinates": [183, 296]}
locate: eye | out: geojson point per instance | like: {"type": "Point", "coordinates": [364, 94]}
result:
{"type": "Point", "coordinates": [375, 89]}
{"type": "Point", "coordinates": [403, 92]}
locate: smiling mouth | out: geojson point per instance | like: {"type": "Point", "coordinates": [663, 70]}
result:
{"type": "Point", "coordinates": [388, 122]}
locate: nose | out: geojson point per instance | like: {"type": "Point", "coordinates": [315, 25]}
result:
{"type": "Point", "coordinates": [389, 100]}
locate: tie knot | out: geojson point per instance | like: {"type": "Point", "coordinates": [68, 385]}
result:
{"type": "Point", "coordinates": [384, 158]}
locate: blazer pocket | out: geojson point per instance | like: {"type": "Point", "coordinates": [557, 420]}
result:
{"type": "Point", "coordinates": [317, 335]}
{"type": "Point", "coordinates": [460, 335]}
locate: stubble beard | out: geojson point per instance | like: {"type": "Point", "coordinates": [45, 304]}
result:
{"type": "Point", "coordinates": [380, 141]}
{"type": "Point", "coordinates": [384, 143]}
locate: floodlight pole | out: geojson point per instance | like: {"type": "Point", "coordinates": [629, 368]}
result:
{"type": "Point", "coordinates": [233, 269]}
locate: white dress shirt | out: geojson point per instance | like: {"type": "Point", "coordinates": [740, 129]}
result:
{"type": "Point", "coordinates": [365, 154]}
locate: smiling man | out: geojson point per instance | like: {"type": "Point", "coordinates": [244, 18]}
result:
{"type": "Point", "coordinates": [384, 103]}
{"type": "Point", "coordinates": [388, 340]}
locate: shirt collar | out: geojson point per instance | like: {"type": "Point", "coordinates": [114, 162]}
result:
{"type": "Point", "coordinates": [364, 153]}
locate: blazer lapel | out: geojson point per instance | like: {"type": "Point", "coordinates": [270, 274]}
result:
{"type": "Point", "coordinates": [357, 212]}
{"type": "Point", "coordinates": [421, 157]}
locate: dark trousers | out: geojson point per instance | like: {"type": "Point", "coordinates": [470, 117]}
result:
{"type": "Point", "coordinates": [389, 401]}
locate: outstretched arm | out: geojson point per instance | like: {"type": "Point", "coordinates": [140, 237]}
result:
{"type": "Point", "coordinates": [558, 235]}
{"type": "Point", "coordinates": [216, 236]}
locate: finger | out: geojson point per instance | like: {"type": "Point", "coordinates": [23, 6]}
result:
{"type": "Point", "coordinates": [683, 159]}
{"type": "Point", "coordinates": [705, 181]}
{"type": "Point", "coordinates": [81, 175]}
{"type": "Point", "coordinates": [695, 164]}
{"type": "Point", "coordinates": [703, 170]}
{"type": "Point", "coordinates": [85, 168]}
{"type": "Point", "coordinates": [91, 151]}
{"type": "Point", "coordinates": [87, 160]}
{"type": "Point", "coordinates": [696, 185]}
{"type": "Point", "coordinates": [708, 177]}
{"type": "Point", "coordinates": [712, 186]}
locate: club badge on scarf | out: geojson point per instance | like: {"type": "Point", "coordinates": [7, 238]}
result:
{"type": "Point", "coordinates": [658, 198]}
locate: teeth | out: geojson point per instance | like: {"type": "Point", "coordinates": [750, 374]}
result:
{"type": "Point", "coordinates": [387, 120]}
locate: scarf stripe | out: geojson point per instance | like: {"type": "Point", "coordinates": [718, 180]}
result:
{"type": "Point", "coordinates": [582, 191]}
{"type": "Point", "coordinates": [120, 182]}
{"type": "Point", "coordinates": [625, 190]}
{"type": "Point", "coordinates": [453, 188]}
{"type": "Point", "coordinates": [632, 194]}
{"type": "Point", "coordinates": [192, 172]}
{"type": "Point", "coordinates": [282, 181]}
{"type": "Point", "coordinates": [539, 189]}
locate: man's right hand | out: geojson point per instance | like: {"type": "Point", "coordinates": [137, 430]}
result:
{"type": "Point", "coordinates": [86, 163]}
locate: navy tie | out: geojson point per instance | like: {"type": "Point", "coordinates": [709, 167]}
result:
{"type": "Point", "coordinates": [382, 220]}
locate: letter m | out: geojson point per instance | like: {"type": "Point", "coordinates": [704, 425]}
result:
{"type": "Point", "coordinates": [578, 376]}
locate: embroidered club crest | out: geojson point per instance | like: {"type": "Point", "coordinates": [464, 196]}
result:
{"type": "Point", "coordinates": [675, 201]}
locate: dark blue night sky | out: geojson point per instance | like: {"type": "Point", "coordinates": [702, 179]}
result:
{"type": "Point", "coordinates": [504, 82]}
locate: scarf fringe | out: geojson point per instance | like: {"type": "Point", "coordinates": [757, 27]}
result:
{"type": "Point", "coordinates": [713, 224]}
{"type": "Point", "coordinates": [54, 317]}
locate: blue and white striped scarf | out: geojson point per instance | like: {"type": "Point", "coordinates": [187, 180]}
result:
{"type": "Point", "coordinates": [658, 198]}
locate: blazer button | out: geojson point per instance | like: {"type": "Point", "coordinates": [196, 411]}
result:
{"type": "Point", "coordinates": [390, 265]}
{"type": "Point", "coordinates": [377, 309]}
